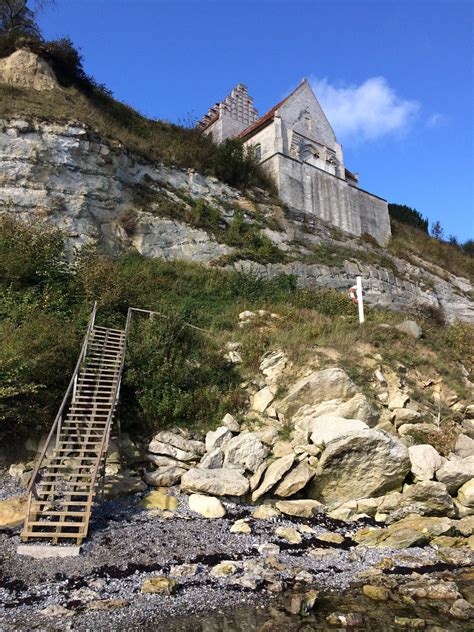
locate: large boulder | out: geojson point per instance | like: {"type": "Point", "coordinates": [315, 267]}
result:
{"type": "Point", "coordinates": [244, 451]}
{"type": "Point", "coordinates": [218, 482]}
{"type": "Point", "coordinates": [357, 407]}
{"type": "Point", "coordinates": [455, 472]}
{"type": "Point", "coordinates": [425, 460]}
{"type": "Point", "coordinates": [319, 386]}
{"type": "Point", "coordinates": [303, 508]}
{"type": "Point", "coordinates": [273, 474]}
{"type": "Point", "coordinates": [328, 428]}
{"type": "Point", "coordinates": [164, 476]}
{"type": "Point", "coordinates": [295, 480]}
{"type": "Point", "coordinates": [361, 464]}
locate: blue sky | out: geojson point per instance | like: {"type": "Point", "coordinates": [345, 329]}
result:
{"type": "Point", "coordinates": [394, 76]}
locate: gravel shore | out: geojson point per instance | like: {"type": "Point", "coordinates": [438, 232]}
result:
{"type": "Point", "coordinates": [102, 588]}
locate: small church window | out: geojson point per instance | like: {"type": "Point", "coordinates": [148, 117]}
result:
{"type": "Point", "coordinates": [258, 151]}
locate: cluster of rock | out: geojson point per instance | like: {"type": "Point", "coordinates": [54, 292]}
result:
{"type": "Point", "coordinates": [338, 454]}
{"type": "Point", "coordinates": [322, 447]}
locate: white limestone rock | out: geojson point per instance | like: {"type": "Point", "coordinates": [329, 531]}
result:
{"type": "Point", "coordinates": [207, 506]}
{"type": "Point", "coordinates": [411, 328]}
{"type": "Point", "coordinates": [303, 508]}
{"type": "Point", "coordinates": [217, 438]}
{"type": "Point", "coordinates": [180, 442]}
{"type": "Point", "coordinates": [268, 435]}
{"type": "Point", "coordinates": [165, 449]}
{"type": "Point", "coordinates": [165, 461]}
{"type": "Point", "coordinates": [357, 407]}
{"type": "Point", "coordinates": [466, 493]}
{"type": "Point", "coordinates": [328, 428]}
{"type": "Point", "coordinates": [231, 422]}
{"type": "Point", "coordinates": [295, 480]}
{"type": "Point", "coordinates": [212, 460]}
{"type": "Point", "coordinates": [282, 448]}
{"type": "Point", "coordinates": [245, 451]}
{"type": "Point", "coordinates": [272, 365]}
{"type": "Point", "coordinates": [219, 482]}
{"type": "Point", "coordinates": [319, 386]}
{"type": "Point", "coordinates": [455, 472]}
{"type": "Point", "coordinates": [164, 476]}
{"type": "Point", "coordinates": [464, 446]}
{"type": "Point", "coordinates": [427, 498]}
{"type": "Point", "coordinates": [398, 399]}
{"type": "Point", "coordinates": [359, 465]}
{"type": "Point", "coordinates": [262, 399]}
{"type": "Point", "coordinates": [273, 474]}
{"type": "Point", "coordinates": [425, 460]}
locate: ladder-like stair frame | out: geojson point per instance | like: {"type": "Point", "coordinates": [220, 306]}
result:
{"type": "Point", "coordinates": [67, 472]}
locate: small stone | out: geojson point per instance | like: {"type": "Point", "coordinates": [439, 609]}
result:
{"type": "Point", "coordinates": [344, 619]}
{"type": "Point", "coordinates": [376, 593]}
{"type": "Point", "coordinates": [207, 506]}
{"type": "Point", "coordinates": [398, 400]}
{"type": "Point", "coordinates": [268, 435]}
{"type": "Point", "coordinates": [246, 315]}
{"type": "Point", "coordinates": [107, 604]}
{"type": "Point", "coordinates": [300, 508]}
{"type": "Point", "coordinates": [12, 511]}
{"type": "Point", "coordinates": [295, 480]}
{"type": "Point", "coordinates": [333, 538]}
{"type": "Point", "coordinates": [160, 584]}
{"type": "Point", "coordinates": [224, 569]}
{"type": "Point", "coordinates": [305, 528]}
{"type": "Point", "coordinates": [410, 624]}
{"type": "Point", "coordinates": [282, 448]}
{"type": "Point", "coordinates": [267, 548]}
{"type": "Point", "coordinates": [230, 422]}
{"type": "Point", "coordinates": [265, 512]}
{"type": "Point", "coordinates": [411, 328]}
{"type": "Point", "coordinates": [273, 475]}
{"type": "Point", "coordinates": [184, 570]}
{"type": "Point", "coordinates": [462, 609]}
{"type": "Point", "coordinates": [289, 534]}
{"type": "Point", "coordinates": [241, 526]}
{"type": "Point", "coordinates": [213, 460]}
{"type": "Point", "coordinates": [56, 610]}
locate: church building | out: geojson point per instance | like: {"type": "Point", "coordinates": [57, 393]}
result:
{"type": "Point", "coordinates": [296, 145]}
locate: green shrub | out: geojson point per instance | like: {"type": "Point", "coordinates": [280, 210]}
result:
{"type": "Point", "coordinates": [178, 375]}
{"type": "Point", "coordinates": [408, 215]}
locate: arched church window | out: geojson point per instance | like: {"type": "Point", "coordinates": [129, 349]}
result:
{"type": "Point", "coordinates": [309, 153]}
{"type": "Point", "coordinates": [258, 151]}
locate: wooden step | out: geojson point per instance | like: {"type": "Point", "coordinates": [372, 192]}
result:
{"type": "Point", "coordinates": [44, 534]}
{"type": "Point", "coordinates": [54, 525]}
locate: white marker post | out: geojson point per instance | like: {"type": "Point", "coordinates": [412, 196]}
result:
{"type": "Point", "coordinates": [360, 300]}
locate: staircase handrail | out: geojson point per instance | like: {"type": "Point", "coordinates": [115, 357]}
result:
{"type": "Point", "coordinates": [56, 425]}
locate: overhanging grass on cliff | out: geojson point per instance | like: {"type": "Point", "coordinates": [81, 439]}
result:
{"type": "Point", "coordinates": [175, 375]}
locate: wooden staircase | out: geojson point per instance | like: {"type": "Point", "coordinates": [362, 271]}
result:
{"type": "Point", "coordinates": [72, 462]}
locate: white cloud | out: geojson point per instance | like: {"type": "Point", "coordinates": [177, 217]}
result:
{"type": "Point", "coordinates": [364, 112]}
{"type": "Point", "coordinates": [435, 120]}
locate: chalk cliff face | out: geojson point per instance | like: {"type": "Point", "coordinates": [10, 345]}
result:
{"type": "Point", "coordinates": [98, 192]}
{"type": "Point", "coordinates": [25, 69]}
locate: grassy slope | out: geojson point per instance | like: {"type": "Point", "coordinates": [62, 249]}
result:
{"type": "Point", "coordinates": [176, 375]}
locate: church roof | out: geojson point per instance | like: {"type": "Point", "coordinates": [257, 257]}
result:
{"type": "Point", "coordinates": [267, 117]}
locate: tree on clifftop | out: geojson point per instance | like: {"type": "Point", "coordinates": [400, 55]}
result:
{"type": "Point", "coordinates": [16, 18]}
